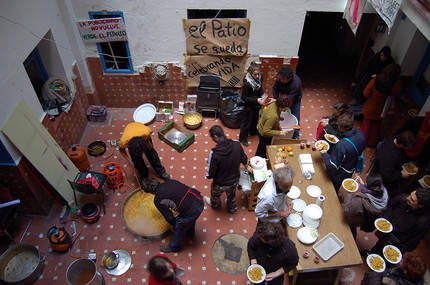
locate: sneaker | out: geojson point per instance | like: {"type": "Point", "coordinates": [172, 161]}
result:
{"type": "Point", "coordinates": [166, 249]}
{"type": "Point", "coordinates": [207, 200]}
{"type": "Point", "coordinates": [245, 143]}
{"type": "Point", "coordinates": [165, 176]}
{"type": "Point", "coordinates": [233, 210]}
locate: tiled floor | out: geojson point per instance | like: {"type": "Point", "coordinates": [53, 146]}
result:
{"type": "Point", "coordinates": [189, 167]}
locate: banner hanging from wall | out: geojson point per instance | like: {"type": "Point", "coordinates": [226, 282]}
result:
{"type": "Point", "coordinates": [102, 30]}
{"type": "Point", "coordinates": [217, 36]}
{"type": "Point", "coordinates": [230, 68]}
{"type": "Point", "coordinates": [353, 12]}
{"type": "Point", "coordinates": [387, 9]}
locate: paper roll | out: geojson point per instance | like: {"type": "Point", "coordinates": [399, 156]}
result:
{"type": "Point", "coordinates": [320, 200]}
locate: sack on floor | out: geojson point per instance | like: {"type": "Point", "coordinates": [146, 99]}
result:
{"type": "Point", "coordinates": [232, 107]}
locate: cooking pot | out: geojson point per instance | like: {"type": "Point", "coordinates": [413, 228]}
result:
{"type": "Point", "coordinates": [21, 264]}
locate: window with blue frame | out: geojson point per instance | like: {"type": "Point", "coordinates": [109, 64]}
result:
{"type": "Point", "coordinates": [114, 56]}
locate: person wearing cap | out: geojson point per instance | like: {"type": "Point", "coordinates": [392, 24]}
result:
{"type": "Point", "coordinates": [289, 83]}
{"type": "Point", "coordinates": [137, 138]}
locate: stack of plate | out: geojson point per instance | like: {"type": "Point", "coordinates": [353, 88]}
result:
{"type": "Point", "coordinates": [312, 215]}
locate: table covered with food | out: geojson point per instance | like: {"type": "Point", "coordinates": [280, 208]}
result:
{"type": "Point", "coordinates": [323, 238]}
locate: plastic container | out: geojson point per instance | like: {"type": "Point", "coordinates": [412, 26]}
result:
{"type": "Point", "coordinates": [78, 156]}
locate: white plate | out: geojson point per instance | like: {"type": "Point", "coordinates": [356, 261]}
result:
{"type": "Point", "coordinates": [326, 136]}
{"type": "Point", "coordinates": [262, 270]}
{"type": "Point", "coordinates": [314, 191]}
{"type": "Point", "coordinates": [299, 205]}
{"type": "Point", "coordinates": [288, 120]}
{"type": "Point", "coordinates": [144, 113]}
{"type": "Point", "coordinates": [323, 142]}
{"type": "Point", "coordinates": [294, 220]}
{"type": "Point", "coordinates": [350, 179]}
{"type": "Point", "coordinates": [294, 192]}
{"type": "Point", "coordinates": [382, 219]}
{"type": "Point", "coordinates": [307, 235]}
{"type": "Point", "coordinates": [396, 249]}
{"type": "Point", "coordinates": [368, 262]}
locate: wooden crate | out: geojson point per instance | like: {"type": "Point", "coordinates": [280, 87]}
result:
{"type": "Point", "coordinates": [172, 127]}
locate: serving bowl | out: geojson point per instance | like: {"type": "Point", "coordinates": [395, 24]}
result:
{"type": "Point", "coordinates": [193, 120]}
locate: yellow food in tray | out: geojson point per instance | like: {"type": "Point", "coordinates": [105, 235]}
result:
{"type": "Point", "coordinates": [383, 225]}
{"type": "Point", "coordinates": [255, 274]}
{"type": "Point", "coordinates": [376, 263]}
{"type": "Point", "coordinates": [331, 138]}
{"type": "Point", "coordinates": [142, 217]}
{"type": "Point", "coordinates": [391, 254]}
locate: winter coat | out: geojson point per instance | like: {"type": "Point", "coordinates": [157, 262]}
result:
{"type": "Point", "coordinates": [293, 89]}
{"type": "Point", "coordinates": [361, 209]}
{"type": "Point", "coordinates": [409, 226]}
{"type": "Point", "coordinates": [269, 123]}
{"type": "Point", "coordinates": [224, 162]}
{"type": "Point", "coordinates": [376, 100]}
{"type": "Point", "coordinates": [341, 162]}
{"type": "Point", "coordinates": [250, 96]}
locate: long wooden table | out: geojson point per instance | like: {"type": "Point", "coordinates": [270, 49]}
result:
{"type": "Point", "coordinates": [333, 219]}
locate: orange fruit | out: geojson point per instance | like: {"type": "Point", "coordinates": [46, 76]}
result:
{"type": "Point", "coordinates": [289, 149]}
{"type": "Point", "coordinates": [283, 147]}
{"type": "Point", "coordinates": [284, 154]}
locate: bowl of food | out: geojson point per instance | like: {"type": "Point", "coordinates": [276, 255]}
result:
{"type": "Point", "coordinates": [392, 254]}
{"type": "Point", "coordinates": [350, 185]}
{"type": "Point", "coordinates": [425, 181]}
{"type": "Point", "coordinates": [96, 148]}
{"type": "Point", "coordinates": [331, 138]}
{"type": "Point", "coordinates": [193, 120]}
{"type": "Point", "coordinates": [383, 225]}
{"type": "Point", "coordinates": [410, 168]}
{"type": "Point", "coordinates": [110, 260]}
{"type": "Point", "coordinates": [375, 262]}
{"type": "Point", "coordinates": [322, 145]}
{"type": "Point", "coordinates": [256, 273]}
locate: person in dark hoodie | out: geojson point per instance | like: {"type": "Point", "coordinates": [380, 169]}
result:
{"type": "Point", "coordinates": [184, 200]}
{"type": "Point", "coordinates": [224, 168]}
{"type": "Point", "coordinates": [341, 162]}
{"type": "Point", "coordinates": [289, 83]}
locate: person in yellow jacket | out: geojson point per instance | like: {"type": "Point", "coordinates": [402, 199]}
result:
{"type": "Point", "coordinates": [137, 138]}
{"type": "Point", "coordinates": [269, 123]}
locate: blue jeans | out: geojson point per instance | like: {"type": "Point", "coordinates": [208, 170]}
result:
{"type": "Point", "coordinates": [295, 110]}
{"type": "Point", "coordinates": [184, 226]}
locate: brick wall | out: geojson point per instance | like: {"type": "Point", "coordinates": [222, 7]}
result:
{"type": "Point", "coordinates": [270, 66]}
{"type": "Point", "coordinates": [68, 128]}
{"type": "Point", "coordinates": [132, 90]}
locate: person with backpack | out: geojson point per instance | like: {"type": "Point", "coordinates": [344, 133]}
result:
{"type": "Point", "coordinates": [346, 157]}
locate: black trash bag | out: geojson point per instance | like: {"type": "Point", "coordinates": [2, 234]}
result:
{"type": "Point", "coordinates": [232, 107]}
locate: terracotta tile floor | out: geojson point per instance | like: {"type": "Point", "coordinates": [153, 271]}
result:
{"type": "Point", "coordinates": [188, 167]}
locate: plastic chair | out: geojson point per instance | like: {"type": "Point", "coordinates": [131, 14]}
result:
{"type": "Point", "coordinates": [89, 188]}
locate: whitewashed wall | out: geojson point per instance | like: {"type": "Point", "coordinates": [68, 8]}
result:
{"type": "Point", "coordinates": [35, 19]}
{"type": "Point", "coordinates": [155, 27]}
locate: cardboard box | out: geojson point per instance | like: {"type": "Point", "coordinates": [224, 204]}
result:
{"type": "Point", "coordinates": [172, 127]}
{"type": "Point", "coordinates": [164, 111]}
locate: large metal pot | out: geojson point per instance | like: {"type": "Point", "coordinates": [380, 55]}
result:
{"type": "Point", "coordinates": [83, 272]}
{"type": "Point", "coordinates": [21, 264]}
